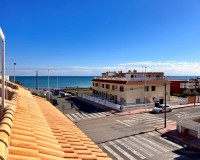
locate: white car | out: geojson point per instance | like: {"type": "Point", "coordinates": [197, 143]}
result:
{"type": "Point", "coordinates": [161, 108]}
{"type": "Point", "coordinates": [63, 94]}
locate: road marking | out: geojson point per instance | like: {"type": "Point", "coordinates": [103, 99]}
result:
{"type": "Point", "coordinates": [131, 149]}
{"type": "Point", "coordinates": [102, 114]}
{"type": "Point", "coordinates": [80, 115]}
{"type": "Point", "coordinates": [86, 115]}
{"type": "Point", "coordinates": [145, 145]}
{"type": "Point", "coordinates": [91, 114]}
{"type": "Point", "coordinates": [123, 123]}
{"type": "Point", "coordinates": [167, 141]}
{"type": "Point", "coordinates": [75, 116]}
{"type": "Point", "coordinates": [96, 115]}
{"type": "Point", "coordinates": [157, 145]}
{"type": "Point", "coordinates": [112, 152]}
{"type": "Point", "coordinates": [122, 151]}
{"type": "Point", "coordinates": [137, 146]}
{"type": "Point", "coordinates": [70, 117]}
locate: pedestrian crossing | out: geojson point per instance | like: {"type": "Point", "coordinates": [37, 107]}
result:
{"type": "Point", "coordinates": [79, 116]}
{"type": "Point", "coordinates": [145, 119]}
{"type": "Point", "coordinates": [181, 114]}
{"type": "Point", "coordinates": [144, 146]}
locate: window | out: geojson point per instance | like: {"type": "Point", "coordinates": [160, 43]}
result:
{"type": "Point", "coordinates": [146, 88]}
{"type": "Point", "coordinates": [137, 101]}
{"type": "Point", "coordinates": [113, 87]}
{"type": "Point", "coordinates": [121, 88]}
{"type": "Point", "coordinates": [183, 85]}
{"type": "Point", "coordinates": [107, 86]}
{"type": "Point", "coordinates": [153, 88]}
{"type": "Point", "coordinates": [93, 84]}
{"type": "Point", "coordinates": [132, 76]}
{"type": "Point", "coordinates": [116, 87]}
{"type": "Point", "coordinates": [96, 85]}
{"type": "Point", "coordinates": [102, 85]}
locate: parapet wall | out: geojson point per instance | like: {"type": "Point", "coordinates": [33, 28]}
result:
{"type": "Point", "coordinates": [189, 124]}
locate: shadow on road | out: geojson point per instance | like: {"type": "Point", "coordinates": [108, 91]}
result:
{"type": "Point", "coordinates": [84, 106]}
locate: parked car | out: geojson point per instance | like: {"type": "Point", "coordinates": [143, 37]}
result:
{"type": "Point", "coordinates": [161, 108]}
{"type": "Point", "coordinates": [56, 92]}
{"type": "Point", "coordinates": [54, 102]}
{"type": "Point", "coordinates": [63, 94]}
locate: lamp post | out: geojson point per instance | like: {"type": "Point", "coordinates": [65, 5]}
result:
{"type": "Point", "coordinates": [145, 67]}
{"type": "Point", "coordinates": [165, 105]}
{"type": "Point", "coordinates": [48, 86]}
{"type": "Point", "coordinates": [14, 71]}
{"type": "Point", "coordinates": [3, 69]}
{"type": "Point", "coordinates": [57, 82]}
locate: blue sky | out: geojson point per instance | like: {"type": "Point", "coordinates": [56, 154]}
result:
{"type": "Point", "coordinates": [87, 37]}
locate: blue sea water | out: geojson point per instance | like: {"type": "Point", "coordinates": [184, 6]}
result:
{"type": "Point", "coordinates": [55, 81]}
{"type": "Point", "coordinates": [67, 81]}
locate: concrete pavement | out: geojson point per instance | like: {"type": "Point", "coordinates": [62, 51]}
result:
{"type": "Point", "coordinates": [143, 110]}
{"type": "Point", "coordinates": [170, 130]}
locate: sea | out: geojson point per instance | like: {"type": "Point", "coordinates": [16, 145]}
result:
{"type": "Point", "coordinates": [67, 81]}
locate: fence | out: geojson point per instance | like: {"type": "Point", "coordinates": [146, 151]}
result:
{"type": "Point", "coordinates": [111, 104]}
{"type": "Point", "coordinates": [102, 102]}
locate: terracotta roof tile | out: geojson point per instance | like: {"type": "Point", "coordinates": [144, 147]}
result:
{"type": "Point", "coordinates": [49, 157]}
{"type": "Point", "coordinates": [71, 155]}
{"type": "Point", "coordinates": [30, 131]}
{"type": "Point", "coordinates": [87, 157]}
{"type": "Point", "coordinates": [49, 151]}
{"type": "Point", "coordinates": [23, 138]}
{"type": "Point", "coordinates": [8, 115]}
{"type": "Point", "coordinates": [23, 151]}
{"type": "Point", "coordinates": [7, 121]}
{"type": "Point", "coordinates": [3, 151]}
{"type": "Point", "coordinates": [4, 137]}
{"type": "Point", "coordinates": [19, 157]}
{"type": "Point", "coordinates": [23, 144]}
{"type": "Point", "coordinates": [47, 144]}
{"type": "Point", "coordinates": [5, 128]}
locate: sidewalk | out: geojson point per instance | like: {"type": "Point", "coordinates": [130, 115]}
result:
{"type": "Point", "coordinates": [171, 132]}
{"type": "Point", "coordinates": [143, 110]}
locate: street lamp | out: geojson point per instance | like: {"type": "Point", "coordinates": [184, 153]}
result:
{"type": "Point", "coordinates": [48, 86]}
{"type": "Point", "coordinates": [165, 115]}
{"type": "Point", "coordinates": [145, 67]}
{"type": "Point", "coordinates": [3, 69]}
{"type": "Point", "coordinates": [14, 71]}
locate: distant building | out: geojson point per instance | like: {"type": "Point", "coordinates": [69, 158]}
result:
{"type": "Point", "coordinates": [132, 87]}
{"type": "Point", "coordinates": [178, 86]}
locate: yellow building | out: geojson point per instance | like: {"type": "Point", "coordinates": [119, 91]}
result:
{"type": "Point", "coordinates": [132, 87]}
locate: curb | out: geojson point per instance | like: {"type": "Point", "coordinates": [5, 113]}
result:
{"type": "Point", "coordinates": [129, 112]}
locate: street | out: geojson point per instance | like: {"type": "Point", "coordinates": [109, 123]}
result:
{"type": "Point", "coordinates": [129, 136]}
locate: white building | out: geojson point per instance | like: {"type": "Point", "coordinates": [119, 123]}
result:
{"type": "Point", "coordinates": [132, 87]}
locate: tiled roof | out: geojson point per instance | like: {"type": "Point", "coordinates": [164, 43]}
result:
{"type": "Point", "coordinates": [34, 129]}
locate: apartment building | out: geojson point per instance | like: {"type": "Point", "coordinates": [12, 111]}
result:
{"type": "Point", "coordinates": [132, 87]}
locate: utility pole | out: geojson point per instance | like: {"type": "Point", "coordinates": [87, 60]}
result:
{"type": "Point", "coordinates": [145, 88]}
{"type": "Point", "coordinates": [165, 105]}
{"type": "Point", "coordinates": [196, 84]}
{"type": "Point", "coordinates": [14, 71]}
{"type": "Point", "coordinates": [57, 82]}
{"type": "Point", "coordinates": [48, 85]}
{"type": "Point", "coordinates": [37, 84]}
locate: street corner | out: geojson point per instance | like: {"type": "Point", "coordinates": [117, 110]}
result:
{"type": "Point", "coordinates": [167, 130]}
